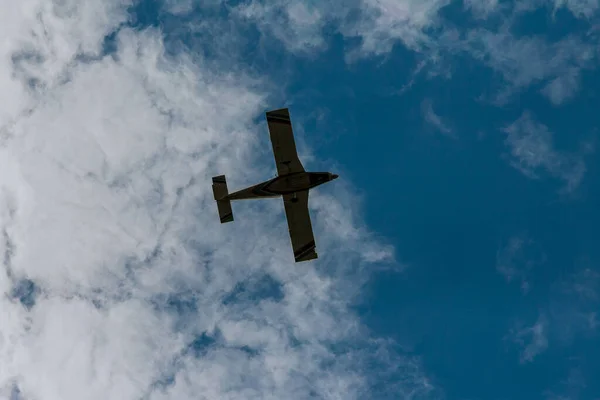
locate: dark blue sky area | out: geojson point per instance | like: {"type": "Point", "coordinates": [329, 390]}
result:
{"type": "Point", "coordinates": [449, 205]}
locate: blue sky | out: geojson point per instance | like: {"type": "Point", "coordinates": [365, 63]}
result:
{"type": "Point", "coordinates": [458, 251]}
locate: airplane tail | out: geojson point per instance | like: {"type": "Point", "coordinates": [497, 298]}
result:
{"type": "Point", "coordinates": [220, 191]}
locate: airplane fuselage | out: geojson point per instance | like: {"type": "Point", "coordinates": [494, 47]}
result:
{"type": "Point", "coordinates": [282, 185]}
{"type": "Point", "coordinates": [292, 184]}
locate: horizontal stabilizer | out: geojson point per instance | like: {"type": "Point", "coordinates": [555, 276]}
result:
{"type": "Point", "coordinates": [223, 203]}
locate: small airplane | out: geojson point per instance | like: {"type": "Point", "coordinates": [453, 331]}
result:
{"type": "Point", "coordinates": [292, 183]}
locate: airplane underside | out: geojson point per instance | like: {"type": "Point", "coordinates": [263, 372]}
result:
{"type": "Point", "coordinates": [292, 184]}
{"type": "Point", "coordinates": [281, 185]}
{"type": "Point", "coordinates": [254, 192]}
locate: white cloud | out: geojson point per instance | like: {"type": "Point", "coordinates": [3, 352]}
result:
{"type": "Point", "coordinates": [531, 60]}
{"type": "Point", "coordinates": [569, 388]}
{"type": "Point", "coordinates": [482, 8]}
{"type": "Point", "coordinates": [584, 9]}
{"type": "Point", "coordinates": [434, 119]}
{"type": "Point", "coordinates": [575, 307]}
{"type": "Point", "coordinates": [374, 27]}
{"type": "Point", "coordinates": [562, 88]}
{"type": "Point", "coordinates": [379, 24]}
{"type": "Point", "coordinates": [297, 25]}
{"type": "Point", "coordinates": [384, 22]}
{"type": "Point", "coordinates": [517, 258]}
{"type": "Point", "coordinates": [585, 283]}
{"type": "Point", "coordinates": [532, 149]}
{"type": "Point", "coordinates": [579, 8]}
{"type": "Point", "coordinates": [532, 340]}
{"type": "Point", "coordinates": [106, 207]}
{"type": "Point", "coordinates": [569, 315]}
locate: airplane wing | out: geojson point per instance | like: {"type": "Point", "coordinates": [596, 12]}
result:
{"type": "Point", "coordinates": [282, 139]}
{"type": "Point", "coordinates": [300, 227]}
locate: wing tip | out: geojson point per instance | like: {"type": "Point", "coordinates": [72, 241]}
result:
{"type": "Point", "coordinates": [306, 252]}
{"type": "Point", "coordinates": [307, 257]}
{"type": "Point", "coordinates": [281, 115]}
{"type": "Point", "coordinates": [228, 217]}
{"type": "Point", "coordinates": [279, 111]}
{"type": "Point", "coordinates": [219, 179]}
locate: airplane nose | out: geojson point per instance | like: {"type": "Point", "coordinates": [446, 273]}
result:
{"type": "Point", "coordinates": [334, 176]}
